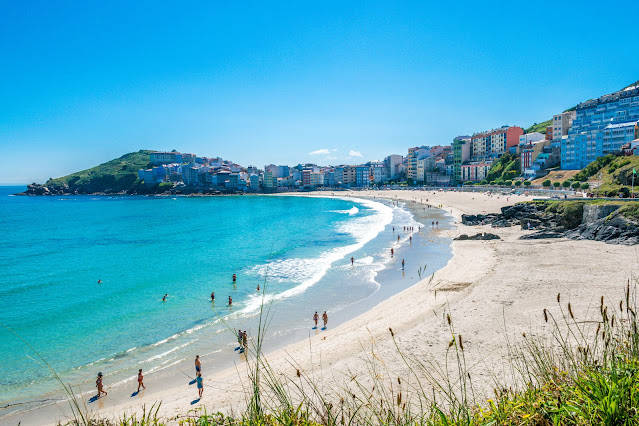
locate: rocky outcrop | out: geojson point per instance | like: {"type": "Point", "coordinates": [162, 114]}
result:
{"type": "Point", "coordinates": [614, 229]}
{"type": "Point", "coordinates": [574, 219]}
{"type": "Point", "coordinates": [481, 236]}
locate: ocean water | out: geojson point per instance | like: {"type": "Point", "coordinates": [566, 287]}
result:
{"type": "Point", "coordinates": [298, 249]}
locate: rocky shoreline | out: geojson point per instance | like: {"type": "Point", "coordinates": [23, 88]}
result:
{"type": "Point", "coordinates": [575, 220]}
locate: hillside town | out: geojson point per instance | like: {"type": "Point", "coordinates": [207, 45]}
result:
{"type": "Point", "coordinates": [572, 140]}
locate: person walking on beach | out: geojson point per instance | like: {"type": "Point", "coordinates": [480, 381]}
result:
{"type": "Point", "coordinates": [325, 318]}
{"type": "Point", "coordinates": [198, 364]}
{"type": "Point", "coordinates": [315, 318]}
{"type": "Point", "coordinates": [352, 260]}
{"type": "Point", "coordinates": [140, 380]}
{"type": "Point", "coordinates": [200, 385]}
{"type": "Point", "coordinates": [98, 384]}
{"type": "Point", "coordinates": [244, 339]}
{"type": "Point", "coordinates": [402, 263]}
{"type": "Point", "coordinates": [212, 296]}
{"type": "Point", "coordinates": [239, 338]}
{"type": "Point", "coordinates": [230, 300]}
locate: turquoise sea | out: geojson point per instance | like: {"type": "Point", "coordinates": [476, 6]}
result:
{"type": "Point", "coordinates": [55, 249]}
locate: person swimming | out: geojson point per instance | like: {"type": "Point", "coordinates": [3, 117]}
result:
{"type": "Point", "coordinates": [234, 278]}
{"type": "Point", "coordinates": [99, 281]}
{"type": "Point", "coordinates": [164, 298]}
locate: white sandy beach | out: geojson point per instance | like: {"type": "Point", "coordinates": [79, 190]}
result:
{"type": "Point", "coordinates": [485, 285]}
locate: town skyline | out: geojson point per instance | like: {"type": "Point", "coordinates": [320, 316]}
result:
{"type": "Point", "coordinates": [284, 83]}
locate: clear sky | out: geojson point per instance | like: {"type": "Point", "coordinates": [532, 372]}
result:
{"type": "Point", "coordinates": [257, 83]}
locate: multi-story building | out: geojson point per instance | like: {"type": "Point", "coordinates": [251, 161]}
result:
{"type": "Point", "coordinates": [415, 154]}
{"type": "Point", "coordinates": [475, 171]}
{"type": "Point", "coordinates": [362, 176]}
{"type": "Point", "coordinates": [394, 165]}
{"type": "Point", "coordinates": [585, 141]}
{"type": "Point", "coordinates": [424, 165]}
{"type": "Point", "coordinates": [494, 143]}
{"type": "Point", "coordinates": [165, 157]}
{"type": "Point", "coordinates": [461, 154]}
{"type": "Point", "coordinates": [529, 154]}
{"type": "Point", "coordinates": [306, 178]}
{"type": "Point", "coordinates": [317, 179]}
{"type": "Point", "coordinates": [345, 175]}
{"type": "Point", "coordinates": [529, 138]}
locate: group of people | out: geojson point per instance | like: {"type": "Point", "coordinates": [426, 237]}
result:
{"type": "Point", "coordinates": [100, 385]}
{"type": "Point", "coordinates": [324, 318]}
{"type": "Point", "coordinates": [242, 339]}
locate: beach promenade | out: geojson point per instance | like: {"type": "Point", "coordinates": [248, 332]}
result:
{"type": "Point", "coordinates": [494, 290]}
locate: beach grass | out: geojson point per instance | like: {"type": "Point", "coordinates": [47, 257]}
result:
{"type": "Point", "coordinates": [584, 370]}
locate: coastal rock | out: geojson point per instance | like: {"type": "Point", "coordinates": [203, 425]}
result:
{"type": "Point", "coordinates": [480, 236]}
{"type": "Point", "coordinates": [616, 229]}
{"type": "Point", "coordinates": [539, 235]}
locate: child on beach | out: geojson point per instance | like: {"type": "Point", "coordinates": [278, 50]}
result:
{"type": "Point", "coordinates": [140, 380]}
{"type": "Point", "coordinates": [98, 384]}
{"type": "Point", "coordinates": [200, 385]}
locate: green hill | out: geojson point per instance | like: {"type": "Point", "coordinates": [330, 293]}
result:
{"type": "Point", "coordinates": [507, 167]}
{"type": "Point", "coordinates": [616, 174]}
{"type": "Point", "coordinates": [113, 176]}
{"type": "Point", "coordinates": [539, 127]}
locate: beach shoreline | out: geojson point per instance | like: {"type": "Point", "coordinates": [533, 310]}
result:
{"type": "Point", "coordinates": [482, 285]}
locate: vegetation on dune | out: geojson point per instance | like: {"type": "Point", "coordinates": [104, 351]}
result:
{"type": "Point", "coordinates": [116, 175]}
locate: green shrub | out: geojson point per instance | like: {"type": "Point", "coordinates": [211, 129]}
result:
{"type": "Point", "coordinates": [565, 184]}
{"type": "Point", "coordinates": [546, 183]}
{"type": "Point", "coordinates": [484, 182]}
{"type": "Point", "coordinates": [517, 183]}
{"type": "Point", "coordinates": [527, 183]}
{"type": "Point", "coordinates": [556, 184]}
{"type": "Point", "coordinates": [468, 183]}
{"type": "Point", "coordinates": [508, 183]}
{"type": "Point", "coordinates": [576, 185]}
{"type": "Point", "coordinates": [585, 185]}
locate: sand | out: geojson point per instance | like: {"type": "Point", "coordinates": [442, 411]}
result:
{"type": "Point", "coordinates": [492, 289]}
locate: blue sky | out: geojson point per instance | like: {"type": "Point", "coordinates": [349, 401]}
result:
{"type": "Point", "coordinates": [258, 83]}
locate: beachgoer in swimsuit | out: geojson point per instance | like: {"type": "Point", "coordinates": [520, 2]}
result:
{"type": "Point", "coordinates": [352, 260]}
{"type": "Point", "coordinates": [315, 318]}
{"type": "Point", "coordinates": [200, 385]}
{"type": "Point", "coordinates": [98, 384]}
{"type": "Point", "coordinates": [239, 337]}
{"type": "Point", "coordinates": [325, 318]}
{"type": "Point", "coordinates": [402, 263]}
{"type": "Point", "coordinates": [244, 339]}
{"type": "Point", "coordinates": [164, 298]}
{"type": "Point", "coordinates": [410, 239]}
{"type": "Point", "coordinates": [99, 281]}
{"type": "Point", "coordinates": [392, 252]}
{"type": "Point", "coordinates": [258, 287]}
{"type": "Point", "coordinates": [398, 238]}
{"type": "Point", "coordinates": [234, 278]}
{"type": "Point", "coordinates": [230, 300]}
{"type": "Point", "coordinates": [198, 364]}
{"type": "Point", "coordinates": [213, 296]}
{"type": "Point", "coordinates": [140, 380]}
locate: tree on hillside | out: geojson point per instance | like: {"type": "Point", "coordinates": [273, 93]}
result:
{"type": "Point", "coordinates": [546, 183]}
{"type": "Point", "coordinates": [556, 184]}
{"type": "Point", "coordinates": [527, 183]}
{"type": "Point", "coordinates": [565, 184]}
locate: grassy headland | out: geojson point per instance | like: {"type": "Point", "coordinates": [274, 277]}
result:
{"type": "Point", "coordinates": [116, 175]}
